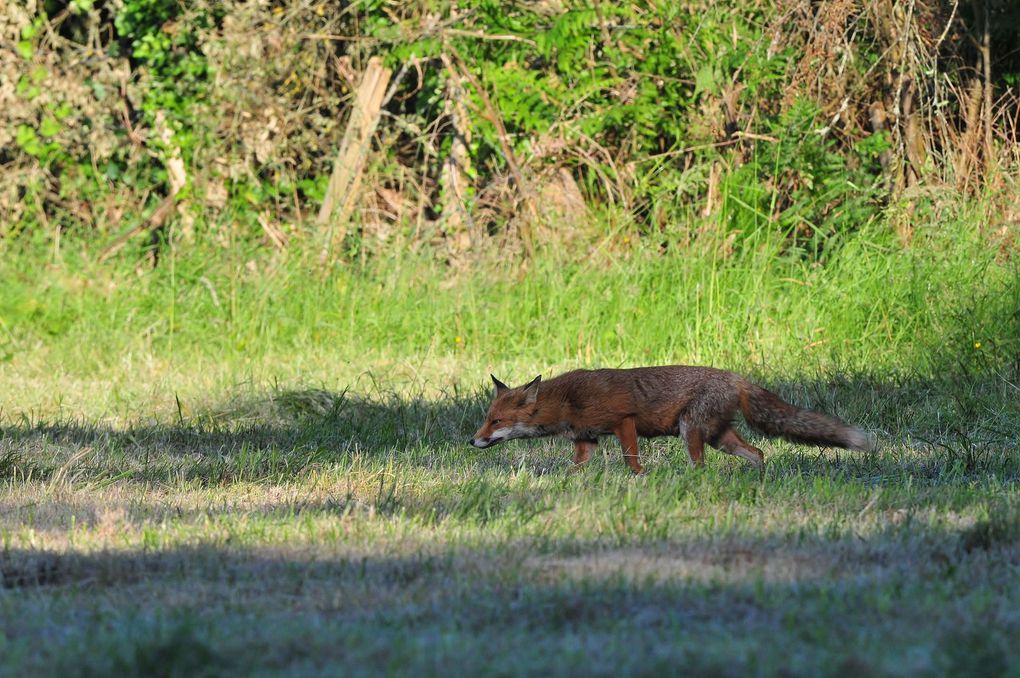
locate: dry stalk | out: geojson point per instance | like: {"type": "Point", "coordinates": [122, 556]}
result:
{"type": "Point", "coordinates": [492, 115]}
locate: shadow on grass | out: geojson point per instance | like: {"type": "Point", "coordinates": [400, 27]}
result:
{"type": "Point", "coordinates": [927, 427]}
{"type": "Point", "coordinates": [254, 437]}
{"type": "Point", "coordinates": [722, 606]}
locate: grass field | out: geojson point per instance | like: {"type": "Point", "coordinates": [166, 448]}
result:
{"type": "Point", "coordinates": [237, 464]}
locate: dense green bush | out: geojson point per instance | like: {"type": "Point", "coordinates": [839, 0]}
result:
{"type": "Point", "coordinates": [652, 114]}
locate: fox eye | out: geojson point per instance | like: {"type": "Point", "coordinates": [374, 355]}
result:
{"type": "Point", "coordinates": [496, 421]}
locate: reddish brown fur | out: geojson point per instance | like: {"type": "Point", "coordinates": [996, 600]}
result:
{"type": "Point", "coordinates": [696, 403]}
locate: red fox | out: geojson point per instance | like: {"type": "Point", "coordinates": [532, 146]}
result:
{"type": "Point", "coordinates": [695, 403]}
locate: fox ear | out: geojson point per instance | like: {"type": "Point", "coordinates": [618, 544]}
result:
{"type": "Point", "coordinates": [531, 390]}
{"type": "Point", "coordinates": [500, 386]}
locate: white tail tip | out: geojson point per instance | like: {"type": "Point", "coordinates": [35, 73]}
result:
{"type": "Point", "coordinates": [861, 440]}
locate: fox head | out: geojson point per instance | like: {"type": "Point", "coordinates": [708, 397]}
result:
{"type": "Point", "coordinates": [510, 415]}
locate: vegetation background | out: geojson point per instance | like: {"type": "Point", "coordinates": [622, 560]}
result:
{"type": "Point", "coordinates": [220, 403]}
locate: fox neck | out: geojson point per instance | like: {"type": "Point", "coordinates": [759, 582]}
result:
{"type": "Point", "coordinates": [550, 415]}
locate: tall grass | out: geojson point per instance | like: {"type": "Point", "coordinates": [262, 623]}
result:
{"type": "Point", "coordinates": [757, 305]}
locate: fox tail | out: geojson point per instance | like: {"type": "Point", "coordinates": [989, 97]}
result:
{"type": "Point", "coordinates": [769, 414]}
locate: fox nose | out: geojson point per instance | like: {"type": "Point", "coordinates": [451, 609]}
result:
{"type": "Point", "coordinates": [471, 441]}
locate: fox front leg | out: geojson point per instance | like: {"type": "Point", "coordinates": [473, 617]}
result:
{"type": "Point", "coordinates": [626, 432]}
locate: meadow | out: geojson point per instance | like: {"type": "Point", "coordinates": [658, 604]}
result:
{"type": "Point", "coordinates": [240, 462]}
{"type": "Point", "coordinates": [259, 259]}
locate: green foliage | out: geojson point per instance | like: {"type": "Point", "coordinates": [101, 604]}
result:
{"type": "Point", "coordinates": [804, 185]}
{"type": "Point", "coordinates": [635, 90]}
{"type": "Point", "coordinates": [164, 44]}
{"type": "Point", "coordinates": [653, 109]}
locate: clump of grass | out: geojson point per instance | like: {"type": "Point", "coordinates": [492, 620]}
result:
{"type": "Point", "coordinates": [999, 529]}
{"type": "Point", "coordinates": [976, 651]}
{"type": "Point", "coordinates": [178, 648]}
{"type": "Point", "coordinates": [12, 464]}
{"type": "Point", "coordinates": [44, 569]}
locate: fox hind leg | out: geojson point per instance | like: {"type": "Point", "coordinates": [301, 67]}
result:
{"type": "Point", "coordinates": [730, 442]}
{"type": "Point", "coordinates": [695, 440]}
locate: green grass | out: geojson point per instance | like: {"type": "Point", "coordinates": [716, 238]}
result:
{"type": "Point", "coordinates": [261, 467]}
{"type": "Point", "coordinates": [368, 538]}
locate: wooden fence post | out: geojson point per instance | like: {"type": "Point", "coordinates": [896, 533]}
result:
{"type": "Point", "coordinates": [345, 181]}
